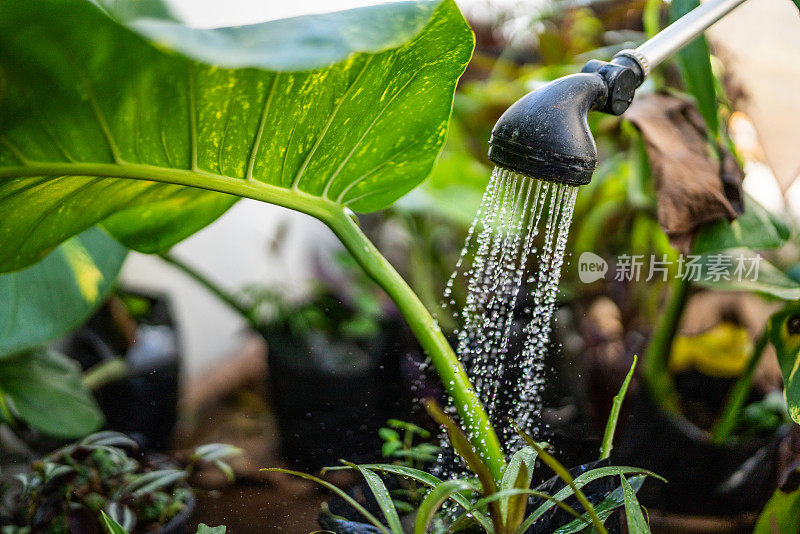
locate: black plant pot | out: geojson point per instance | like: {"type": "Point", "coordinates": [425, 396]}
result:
{"type": "Point", "coordinates": [331, 396]}
{"type": "Point", "coordinates": [144, 404]}
{"type": "Point", "coordinates": [704, 479]}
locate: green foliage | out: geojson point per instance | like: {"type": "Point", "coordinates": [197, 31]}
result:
{"type": "Point", "coordinates": [152, 130]}
{"type": "Point", "coordinates": [105, 127]}
{"type": "Point", "coordinates": [633, 510]}
{"type": "Point", "coordinates": [44, 389]}
{"type": "Point", "coordinates": [756, 228]}
{"type": "Point", "coordinates": [97, 475]}
{"type": "Point", "coordinates": [613, 416]}
{"type": "Point", "coordinates": [784, 333]}
{"type": "Point", "coordinates": [110, 525]}
{"type": "Point", "coordinates": [46, 300]}
{"type": "Point", "coordinates": [780, 516]}
{"type": "Point", "coordinates": [498, 506]}
{"type": "Point", "coordinates": [694, 61]}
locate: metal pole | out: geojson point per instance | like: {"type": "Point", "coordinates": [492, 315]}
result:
{"type": "Point", "coordinates": [681, 32]}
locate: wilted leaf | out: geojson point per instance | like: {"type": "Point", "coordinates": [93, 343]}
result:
{"type": "Point", "coordinates": [693, 186]}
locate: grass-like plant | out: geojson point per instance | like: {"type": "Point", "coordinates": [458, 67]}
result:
{"type": "Point", "coordinates": [499, 505]}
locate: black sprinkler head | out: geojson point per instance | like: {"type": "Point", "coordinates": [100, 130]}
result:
{"type": "Point", "coordinates": [546, 133]}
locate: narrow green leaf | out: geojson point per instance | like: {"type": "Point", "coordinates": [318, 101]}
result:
{"type": "Point", "coordinates": [382, 497]}
{"type": "Point", "coordinates": [156, 480]}
{"type": "Point", "coordinates": [437, 496]}
{"type": "Point", "coordinates": [517, 504]}
{"type": "Point", "coordinates": [352, 502]}
{"type": "Point", "coordinates": [562, 472]}
{"type": "Point", "coordinates": [518, 474]}
{"type": "Point", "coordinates": [215, 451]}
{"type": "Point", "coordinates": [111, 526]}
{"type": "Point", "coordinates": [633, 510]}
{"type": "Point", "coordinates": [581, 481]}
{"type": "Point", "coordinates": [46, 390]}
{"type": "Point", "coordinates": [318, 114]}
{"type": "Point", "coordinates": [616, 406]}
{"type": "Point", "coordinates": [202, 528]}
{"type": "Point", "coordinates": [525, 493]}
{"type": "Point", "coordinates": [694, 62]}
{"type": "Point", "coordinates": [48, 299]}
{"type": "Point", "coordinates": [424, 478]}
{"type": "Point", "coordinates": [464, 448]}
{"type": "Point", "coordinates": [614, 500]}
{"type": "Point", "coordinates": [784, 332]}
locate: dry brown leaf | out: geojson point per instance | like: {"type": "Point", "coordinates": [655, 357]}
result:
{"type": "Point", "coordinates": [693, 185]}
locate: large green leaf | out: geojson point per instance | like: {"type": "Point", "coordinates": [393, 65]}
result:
{"type": "Point", "coordinates": [784, 334]}
{"type": "Point", "coordinates": [47, 393]}
{"type": "Point", "coordinates": [319, 114]}
{"type": "Point", "coordinates": [47, 299]}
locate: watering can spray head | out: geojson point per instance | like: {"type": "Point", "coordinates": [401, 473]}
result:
{"type": "Point", "coordinates": [546, 134]}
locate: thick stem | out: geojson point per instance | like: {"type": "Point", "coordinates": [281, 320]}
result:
{"type": "Point", "coordinates": [741, 390]}
{"type": "Point", "coordinates": [655, 368]}
{"type": "Point", "coordinates": [430, 336]}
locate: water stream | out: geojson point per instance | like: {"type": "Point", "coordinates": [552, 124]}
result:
{"type": "Point", "coordinates": [517, 240]}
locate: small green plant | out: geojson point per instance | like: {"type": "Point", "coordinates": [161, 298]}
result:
{"type": "Point", "coordinates": [99, 479]}
{"type": "Point", "coordinates": [407, 445]}
{"type": "Point", "coordinates": [495, 505]}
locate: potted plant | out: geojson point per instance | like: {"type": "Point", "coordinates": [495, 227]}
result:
{"type": "Point", "coordinates": [69, 489]}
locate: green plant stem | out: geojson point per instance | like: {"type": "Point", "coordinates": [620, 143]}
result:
{"type": "Point", "coordinates": [655, 368]}
{"type": "Point", "coordinates": [213, 288]}
{"type": "Point", "coordinates": [337, 217]}
{"type": "Point", "coordinates": [452, 374]}
{"type": "Point", "coordinates": [727, 421]}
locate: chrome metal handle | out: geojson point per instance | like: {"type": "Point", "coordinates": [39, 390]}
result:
{"type": "Point", "coordinates": [680, 33]}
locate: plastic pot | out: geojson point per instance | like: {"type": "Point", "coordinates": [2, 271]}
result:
{"type": "Point", "coordinates": [144, 404]}
{"type": "Point", "coordinates": [331, 396]}
{"type": "Point", "coordinates": [704, 479]}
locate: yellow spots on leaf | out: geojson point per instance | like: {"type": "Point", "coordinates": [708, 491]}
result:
{"type": "Point", "coordinates": [794, 412]}
{"type": "Point", "coordinates": [87, 275]}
